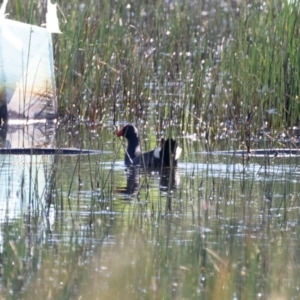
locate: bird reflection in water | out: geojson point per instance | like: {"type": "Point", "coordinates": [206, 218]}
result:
{"type": "Point", "coordinates": [132, 182]}
{"type": "Point", "coordinates": [169, 179]}
{"type": "Point", "coordinates": [137, 179]}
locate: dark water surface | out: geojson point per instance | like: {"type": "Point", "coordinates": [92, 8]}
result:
{"type": "Point", "coordinates": [217, 227]}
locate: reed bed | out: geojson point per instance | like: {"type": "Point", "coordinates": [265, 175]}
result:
{"type": "Point", "coordinates": [202, 66]}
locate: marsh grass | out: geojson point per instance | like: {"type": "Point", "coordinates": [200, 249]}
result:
{"type": "Point", "coordinates": [208, 65]}
{"type": "Point", "coordinates": [261, 64]}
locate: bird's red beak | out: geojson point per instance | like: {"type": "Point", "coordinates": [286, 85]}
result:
{"type": "Point", "coordinates": [120, 132]}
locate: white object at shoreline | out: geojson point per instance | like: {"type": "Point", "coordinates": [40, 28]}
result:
{"type": "Point", "coordinates": [27, 78]}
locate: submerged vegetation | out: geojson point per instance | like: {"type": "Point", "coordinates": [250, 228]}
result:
{"type": "Point", "coordinates": [215, 75]}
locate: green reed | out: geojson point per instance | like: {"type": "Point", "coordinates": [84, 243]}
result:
{"type": "Point", "coordinates": [261, 65]}
{"type": "Point", "coordinates": [114, 59]}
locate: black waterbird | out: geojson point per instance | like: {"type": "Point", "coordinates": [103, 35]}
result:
{"type": "Point", "coordinates": [166, 155]}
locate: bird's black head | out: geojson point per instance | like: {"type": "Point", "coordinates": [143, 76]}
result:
{"type": "Point", "coordinates": [128, 131]}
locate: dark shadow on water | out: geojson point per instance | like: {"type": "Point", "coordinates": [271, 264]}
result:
{"type": "Point", "coordinates": [3, 134]}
